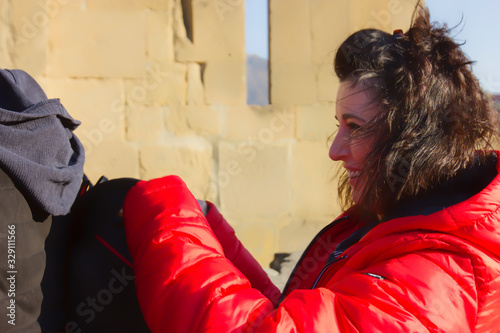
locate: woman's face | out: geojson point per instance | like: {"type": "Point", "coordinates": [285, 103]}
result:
{"type": "Point", "coordinates": [355, 107]}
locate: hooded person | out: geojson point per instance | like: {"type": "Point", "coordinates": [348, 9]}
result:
{"type": "Point", "coordinates": [41, 170]}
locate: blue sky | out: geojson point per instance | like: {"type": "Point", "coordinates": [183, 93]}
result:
{"type": "Point", "coordinates": [478, 26]}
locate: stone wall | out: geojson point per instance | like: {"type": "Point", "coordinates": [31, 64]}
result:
{"type": "Point", "coordinates": [159, 86]}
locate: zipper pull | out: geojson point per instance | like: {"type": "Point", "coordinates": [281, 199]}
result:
{"type": "Point", "coordinates": [328, 264]}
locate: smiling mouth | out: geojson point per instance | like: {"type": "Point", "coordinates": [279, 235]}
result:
{"type": "Point", "coordinates": [353, 174]}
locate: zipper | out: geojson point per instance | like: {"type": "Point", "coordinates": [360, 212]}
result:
{"type": "Point", "coordinates": [328, 265]}
{"type": "Point", "coordinates": [297, 265]}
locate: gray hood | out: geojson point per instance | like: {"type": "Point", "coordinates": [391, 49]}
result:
{"type": "Point", "coordinates": [38, 149]}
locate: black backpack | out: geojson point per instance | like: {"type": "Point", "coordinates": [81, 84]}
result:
{"type": "Point", "coordinates": [100, 291]}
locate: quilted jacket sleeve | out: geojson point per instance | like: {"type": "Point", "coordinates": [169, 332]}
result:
{"type": "Point", "coordinates": [185, 283]}
{"type": "Point", "coordinates": [239, 255]}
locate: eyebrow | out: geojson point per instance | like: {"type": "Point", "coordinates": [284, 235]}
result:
{"type": "Point", "coordinates": [346, 116]}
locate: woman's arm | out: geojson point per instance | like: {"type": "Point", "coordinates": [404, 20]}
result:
{"type": "Point", "coordinates": [239, 255]}
{"type": "Point", "coordinates": [185, 283]}
{"type": "Point", "coordinates": [183, 280]}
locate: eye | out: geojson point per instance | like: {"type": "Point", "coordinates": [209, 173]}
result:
{"type": "Point", "coordinates": [353, 126]}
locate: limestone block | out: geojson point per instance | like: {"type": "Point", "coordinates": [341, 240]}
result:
{"type": "Point", "coordinates": [6, 40]}
{"type": "Point", "coordinates": [56, 5]}
{"type": "Point", "coordinates": [384, 15]}
{"type": "Point", "coordinates": [30, 26]}
{"type": "Point", "coordinates": [217, 28]}
{"type": "Point", "coordinates": [328, 82]}
{"type": "Point", "coordinates": [132, 5]}
{"type": "Point", "coordinates": [4, 13]}
{"type": "Point", "coordinates": [290, 33]}
{"type": "Point", "coordinates": [329, 28]}
{"type": "Point", "coordinates": [98, 43]}
{"type": "Point", "coordinates": [315, 122]}
{"type": "Point", "coordinates": [113, 160]}
{"type": "Point", "coordinates": [161, 84]}
{"type": "Point", "coordinates": [190, 158]}
{"type": "Point", "coordinates": [225, 83]}
{"type": "Point", "coordinates": [195, 94]}
{"type": "Point", "coordinates": [313, 185]}
{"type": "Point", "coordinates": [293, 84]}
{"type": "Point", "coordinates": [5, 47]}
{"type": "Point", "coordinates": [400, 14]}
{"type": "Point", "coordinates": [205, 120]}
{"type": "Point", "coordinates": [98, 104]}
{"type": "Point", "coordinates": [160, 36]}
{"type": "Point", "coordinates": [158, 4]}
{"type": "Point", "coordinates": [296, 236]}
{"type": "Point", "coordinates": [145, 124]}
{"type": "Point", "coordinates": [260, 238]}
{"type": "Point", "coordinates": [176, 122]}
{"type": "Point", "coordinates": [183, 45]}
{"type": "Point", "coordinates": [264, 124]}
{"type": "Point", "coordinates": [254, 179]}
{"type": "Point", "coordinates": [366, 14]}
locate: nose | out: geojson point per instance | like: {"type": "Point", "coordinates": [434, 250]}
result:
{"type": "Point", "coordinates": [339, 148]}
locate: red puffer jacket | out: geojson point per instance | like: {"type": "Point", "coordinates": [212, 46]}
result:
{"type": "Point", "coordinates": [432, 273]}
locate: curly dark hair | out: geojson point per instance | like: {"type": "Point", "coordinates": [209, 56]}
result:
{"type": "Point", "coordinates": [435, 117]}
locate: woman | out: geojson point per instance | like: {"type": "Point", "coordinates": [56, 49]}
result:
{"type": "Point", "coordinates": [417, 251]}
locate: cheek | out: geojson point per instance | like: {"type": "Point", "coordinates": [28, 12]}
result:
{"type": "Point", "coordinates": [360, 150]}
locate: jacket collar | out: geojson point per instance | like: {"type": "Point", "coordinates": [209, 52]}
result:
{"type": "Point", "coordinates": [476, 218]}
{"type": "Point", "coordinates": [460, 188]}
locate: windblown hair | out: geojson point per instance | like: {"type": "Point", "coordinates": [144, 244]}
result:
{"type": "Point", "coordinates": [434, 115]}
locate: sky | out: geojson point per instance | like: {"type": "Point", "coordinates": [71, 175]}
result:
{"type": "Point", "coordinates": [476, 22]}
